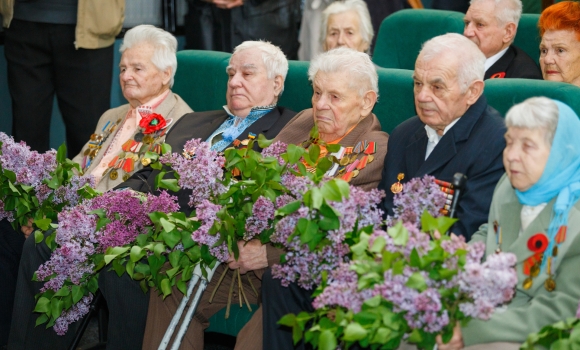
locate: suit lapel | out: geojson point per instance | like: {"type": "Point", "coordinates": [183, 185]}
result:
{"type": "Point", "coordinates": [502, 64]}
{"type": "Point", "coordinates": [540, 225]}
{"type": "Point", "coordinates": [166, 107]}
{"type": "Point", "coordinates": [442, 153]}
{"type": "Point", "coordinates": [415, 153]}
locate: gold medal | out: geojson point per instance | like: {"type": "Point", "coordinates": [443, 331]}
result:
{"type": "Point", "coordinates": [344, 160]}
{"type": "Point", "coordinates": [145, 161]}
{"type": "Point", "coordinates": [398, 186]}
{"type": "Point", "coordinates": [550, 284]}
{"type": "Point", "coordinates": [147, 139]}
{"type": "Point", "coordinates": [535, 270]}
{"type": "Point", "coordinates": [126, 177]}
{"type": "Point", "coordinates": [113, 175]}
{"type": "Point", "coordinates": [528, 283]}
{"type": "Point", "coordinates": [87, 151]}
{"type": "Point", "coordinates": [555, 251]}
{"type": "Point", "coordinates": [371, 158]}
{"type": "Point", "coordinates": [355, 172]}
{"type": "Point", "coordinates": [135, 157]}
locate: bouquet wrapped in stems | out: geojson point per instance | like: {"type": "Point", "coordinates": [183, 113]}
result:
{"type": "Point", "coordinates": [403, 285]}
{"type": "Point", "coordinates": [37, 186]}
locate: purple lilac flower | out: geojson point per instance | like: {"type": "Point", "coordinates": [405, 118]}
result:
{"type": "Point", "coordinates": [75, 313]}
{"type": "Point", "coordinates": [342, 290]}
{"type": "Point", "coordinates": [305, 266]}
{"type": "Point", "coordinates": [262, 212]}
{"type": "Point", "coordinates": [200, 169]}
{"type": "Point", "coordinates": [275, 150]}
{"type": "Point", "coordinates": [9, 215]}
{"type": "Point", "coordinates": [418, 195]}
{"type": "Point", "coordinates": [207, 214]}
{"type": "Point", "coordinates": [68, 194]}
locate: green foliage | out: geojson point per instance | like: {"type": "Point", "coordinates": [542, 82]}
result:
{"type": "Point", "coordinates": [562, 335]}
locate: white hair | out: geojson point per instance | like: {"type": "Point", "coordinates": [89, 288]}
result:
{"type": "Point", "coordinates": [273, 57]}
{"type": "Point", "coordinates": [361, 9]}
{"type": "Point", "coordinates": [358, 65]}
{"type": "Point", "coordinates": [535, 113]}
{"type": "Point", "coordinates": [471, 61]}
{"type": "Point", "coordinates": [164, 43]}
{"type": "Point", "coordinates": [506, 11]}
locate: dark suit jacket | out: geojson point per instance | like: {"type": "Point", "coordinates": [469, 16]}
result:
{"type": "Point", "coordinates": [515, 63]}
{"type": "Point", "coordinates": [473, 146]}
{"type": "Point", "coordinates": [202, 125]}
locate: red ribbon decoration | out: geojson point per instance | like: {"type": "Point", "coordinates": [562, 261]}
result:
{"type": "Point", "coordinates": [500, 75]}
{"type": "Point", "coordinates": [152, 123]}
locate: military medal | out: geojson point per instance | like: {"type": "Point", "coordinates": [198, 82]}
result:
{"type": "Point", "coordinates": [498, 237]}
{"type": "Point", "coordinates": [370, 150]}
{"type": "Point", "coordinates": [113, 175]}
{"type": "Point", "coordinates": [346, 157]}
{"type": "Point", "coordinates": [397, 186]}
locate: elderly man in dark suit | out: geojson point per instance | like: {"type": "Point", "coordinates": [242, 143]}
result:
{"type": "Point", "coordinates": [455, 130]}
{"type": "Point", "coordinates": [492, 26]}
{"type": "Point", "coordinates": [256, 79]}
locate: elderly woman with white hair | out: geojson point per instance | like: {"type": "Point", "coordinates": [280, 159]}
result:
{"type": "Point", "coordinates": [535, 214]}
{"type": "Point", "coordinates": [148, 65]}
{"type": "Point", "coordinates": [345, 85]}
{"type": "Point", "coordinates": [347, 23]}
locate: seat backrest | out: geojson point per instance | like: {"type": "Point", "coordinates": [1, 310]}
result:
{"type": "Point", "coordinates": [402, 34]}
{"type": "Point", "coordinates": [396, 103]}
{"type": "Point", "coordinates": [201, 79]}
{"type": "Point", "coordinates": [297, 88]}
{"type": "Point", "coordinates": [528, 37]}
{"type": "Point", "coordinates": [502, 94]}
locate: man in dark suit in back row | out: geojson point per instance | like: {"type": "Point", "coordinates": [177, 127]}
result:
{"type": "Point", "coordinates": [455, 130]}
{"type": "Point", "coordinates": [492, 26]}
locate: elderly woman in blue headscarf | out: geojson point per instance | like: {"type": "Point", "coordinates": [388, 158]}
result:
{"type": "Point", "coordinates": [534, 214]}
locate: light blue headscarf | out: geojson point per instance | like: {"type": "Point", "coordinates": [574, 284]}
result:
{"type": "Point", "coordinates": [561, 176]}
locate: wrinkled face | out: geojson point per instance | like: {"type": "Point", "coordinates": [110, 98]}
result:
{"type": "Point", "coordinates": [343, 29]}
{"type": "Point", "coordinates": [337, 107]}
{"type": "Point", "coordinates": [438, 96]}
{"type": "Point", "coordinates": [141, 80]}
{"type": "Point", "coordinates": [248, 83]}
{"type": "Point", "coordinates": [482, 27]}
{"type": "Point", "coordinates": [560, 56]}
{"type": "Point", "coordinates": [525, 156]}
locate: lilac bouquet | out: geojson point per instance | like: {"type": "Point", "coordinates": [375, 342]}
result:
{"type": "Point", "coordinates": [97, 232]}
{"type": "Point", "coordinates": [36, 185]}
{"type": "Point", "coordinates": [401, 284]}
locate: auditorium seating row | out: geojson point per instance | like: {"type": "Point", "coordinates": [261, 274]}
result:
{"type": "Point", "coordinates": [394, 50]}
{"type": "Point", "coordinates": [201, 81]}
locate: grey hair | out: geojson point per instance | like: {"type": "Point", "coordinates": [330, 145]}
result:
{"type": "Point", "coordinates": [471, 64]}
{"type": "Point", "coordinates": [506, 11]}
{"type": "Point", "coordinates": [358, 65]}
{"type": "Point", "coordinates": [360, 7]}
{"type": "Point", "coordinates": [164, 43]}
{"type": "Point", "coordinates": [535, 113]}
{"type": "Point", "coordinates": [273, 57]}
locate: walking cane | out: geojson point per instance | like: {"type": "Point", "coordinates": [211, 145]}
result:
{"type": "Point", "coordinates": [197, 276]}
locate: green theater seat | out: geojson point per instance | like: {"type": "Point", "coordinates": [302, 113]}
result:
{"type": "Point", "coordinates": [297, 88]}
{"type": "Point", "coordinates": [396, 103]}
{"type": "Point", "coordinates": [528, 37]}
{"type": "Point", "coordinates": [239, 316]}
{"type": "Point", "coordinates": [401, 35]}
{"type": "Point", "coordinates": [502, 94]}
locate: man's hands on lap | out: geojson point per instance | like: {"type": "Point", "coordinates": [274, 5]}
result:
{"type": "Point", "coordinates": [253, 256]}
{"type": "Point", "coordinates": [456, 342]}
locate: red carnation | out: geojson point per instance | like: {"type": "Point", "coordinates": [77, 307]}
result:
{"type": "Point", "coordinates": [152, 123]}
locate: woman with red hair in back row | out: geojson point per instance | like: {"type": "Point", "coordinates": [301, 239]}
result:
{"type": "Point", "coordinates": [560, 47]}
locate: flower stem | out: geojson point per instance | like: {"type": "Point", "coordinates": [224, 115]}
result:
{"type": "Point", "coordinates": [244, 293]}
{"type": "Point", "coordinates": [218, 284]}
{"type": "Point", "coordinates": [252, 285]}
{"type": "Point", "coordinates": [239, 286]}
{"type": "Point", "coordinates": [230, 298]}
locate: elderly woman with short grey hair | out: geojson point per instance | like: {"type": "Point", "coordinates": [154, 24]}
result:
{"type": "Point", "coordinates": [535, 214]}
{"type": "Point", "coordinates": [347, 23]}
{"type": "Point", "coordinates": [345, 85]}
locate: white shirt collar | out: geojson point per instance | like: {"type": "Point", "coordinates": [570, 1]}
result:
{"type": "Point", "coordinates": [434, 137]}
{"type": "Point", "coordinates": [490, 61]}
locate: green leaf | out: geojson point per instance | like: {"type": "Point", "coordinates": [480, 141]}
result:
{"type": "Point", "coordinates": [415, 336]}
{"type": "Point", "coordinates": [62, 292]}
{"type": "Point", "coordinates": [43, 224]}
{"type": "Point", "coordinates": [42, 305]}
{"type": "Point", "coordinates": [38, 237]}
{"type": "Point", "coordinates": [399, 234]}
{"type": "Point", "coordinates": [441, 224]}
{"type": "Point", "coordinates": [263, 142]}
{"type": "Point", "coordinates": [77, 294]}
{"type": "Point", "coordinates": [314, 152]}
{"type": "Point", "coordinates": [101, 223]}
{"type": "Point", "coordinates": [165, 287]}
{"type": "Point", "coordinates": [136, 253]}
{"type": "Point", "coordinates": [165, 148]}
{"type": "Point", "coordinates": [41, 319]}
{"type": "Point", "coordinates": [331, 191]}
{"type": "Point", "coordinates": [378, 244]}
{"type": "Point", "coordinates": [170, 184]}
{"type": "Point", "coordinates": [288, 320]}
{"type": "Point", "coordinates": [327, 340]}
{"type": "Point", "coordinates": [167, 226]}
{"type": "Point", "coordinates": [294, 153]}
{"type": "Point", "coordinates": [315, 197]}
{"type": "Point", "coordinates": [56, 306]}
{"type": "Point", "coordinates": [61, 153]}
{"type": "Point", "coordinates": [374, 301]}
{"type": "Point", "coordinates": [354, 332]}
{"type": "Point", "coordinates": [289, 208]}
{"type": "Point", "coordinates": [417, 282]}
{"type": "Point", "coordinates": [414, 258]}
